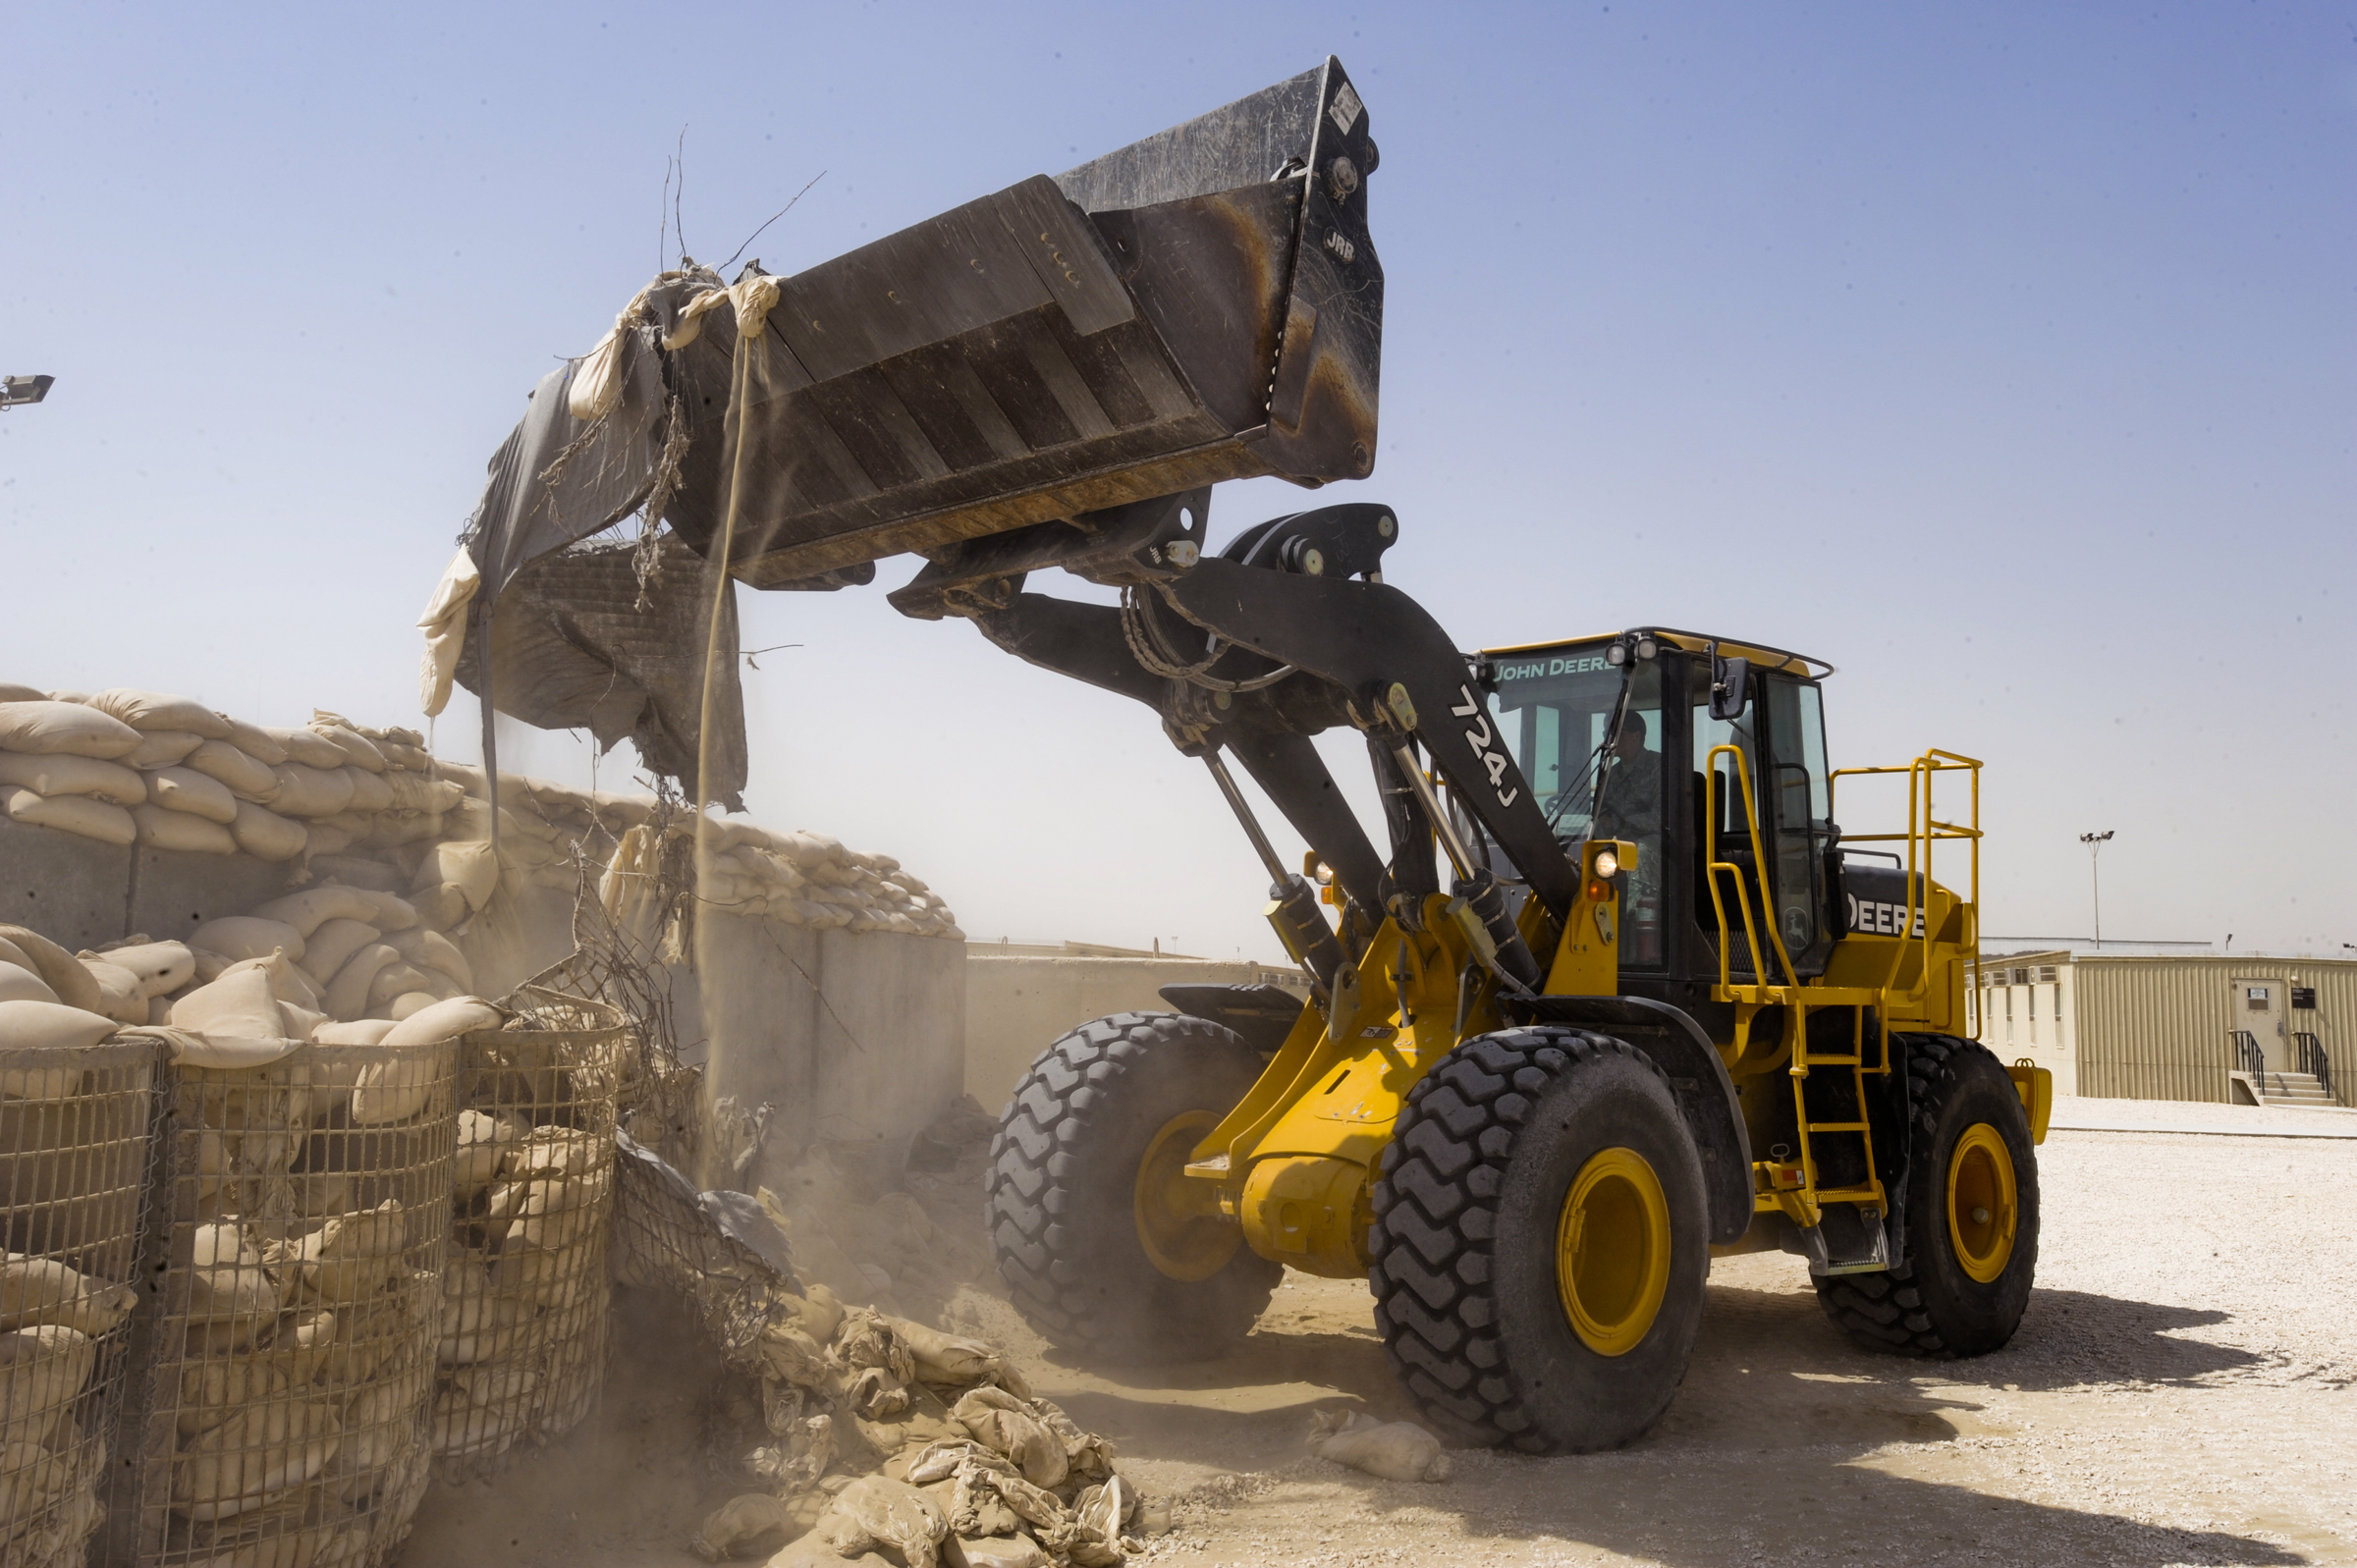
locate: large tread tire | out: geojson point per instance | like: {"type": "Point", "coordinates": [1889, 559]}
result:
{"type": "Point", "coordinates": [1473, 1186]}
{"type": "Point", "coordinates": [1058, 1198]}
{"type": "Point", "coordinates": [1929, 1305]}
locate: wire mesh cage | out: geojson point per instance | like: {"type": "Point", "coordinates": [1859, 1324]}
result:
{"type": "Point", "coordinates": [522, 1330]}
{"type": "Point", "coordinates": [719, 1249]}
{"type": "Point", "coordinates": [74, 1126]}
{"type": "Point", "coordinates": [661, 1097]}
{"type": "Point", "coordinates": [294, 1272]}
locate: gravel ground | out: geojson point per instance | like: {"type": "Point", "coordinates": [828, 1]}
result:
{"type": "Point", "coordinates": [2183, 1390]}
{"type": "Point", "coordinates": [2178, 1116]}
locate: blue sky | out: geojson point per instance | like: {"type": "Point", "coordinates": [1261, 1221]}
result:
{"type": "Point", "coordinates": [2004, 355]}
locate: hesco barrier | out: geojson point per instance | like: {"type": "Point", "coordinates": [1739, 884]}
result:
{"type": "Point", "coordinates": [522, 1330]}
{"type": "Point", "coordinates": [72, 1187]}
{"type": "Point", "coordinates": [285, 1332]}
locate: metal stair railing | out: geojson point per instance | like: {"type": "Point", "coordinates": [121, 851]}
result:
{"type": "Point", "coordinates": [2313, 1060]}
{"type": "Point", "coordinates": [2248, 1057]}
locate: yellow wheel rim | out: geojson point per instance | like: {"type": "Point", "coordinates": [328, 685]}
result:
{"type": "Point", "coordinates": [1179, 1218]}
{"type": "Point", "coordinates": [1611, 1252]}
{"type": "Point", "coordinates": [1983, 1202]}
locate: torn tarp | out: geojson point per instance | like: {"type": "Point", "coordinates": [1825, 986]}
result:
{"type": "Point", "coordinates": [583, 637]}
{"type": "Point", "coordinates": [576, 647]}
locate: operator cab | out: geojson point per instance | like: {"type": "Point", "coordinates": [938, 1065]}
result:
{"type": "Point", "coordinates": [1617, 737]}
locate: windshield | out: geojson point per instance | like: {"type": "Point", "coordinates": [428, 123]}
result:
{"type": "Point", "coordinates": [1554, 709]}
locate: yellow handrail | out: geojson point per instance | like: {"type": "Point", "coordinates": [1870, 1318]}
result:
{"type": "Point", "coordinates": [1759, 866]}
{"type": "Point", "coordinates": [1924, 829]}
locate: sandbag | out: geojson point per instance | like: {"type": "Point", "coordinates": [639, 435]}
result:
{"type": "Point", "coordinates": [76, 814]}
{"type": "Point", "coordinates": [198, 794]}
{"type": "Point", "coordinates": [394, 1089]}
{"type": "Point", "coordinates": [41, 1369]}
{"type": "Point", "coordinates": [13, 691]}
{"type": "Point", "coordinates": [444, 1020]}
{"type": "Point", "coordinates": [307, 791]}
{"type": "Point", "coordinates": [470, 867]}
{"type": "Point", "coordinates": [159, 829]}
{"type": "Point", "coordinates": [59, 969]}
{"type": "Point", "coordinates": [876, 1511]}
{"type": "Point", "coordinates": [265, 835]}
{"type": "Point", "coordinates": [288, 981]}
{"type": "Point", "coordinates": [410, 1003]}
{"type": "Point", "coordinates": [63, 774]}
{"type": "Point", "coordinates": [65, 727]}
{"type": "Point", "coordinates": [43, 1290]}
{"type": "Point", "coordinates": [1396, 1450]}
{"type": "Point", "coordinates": [119, 994]}
{"type": "Point", "coordinates": [430, 949]}
{"type": "Point", "coordinates": [19, 983]}
{"type": "Point", "coordinates": [162, 748]}
{"type": "Point", "coordinates": [1006, 1425]}
{"type": "Point", "coordinates": [243, 775]}
{"type": "Point", "coordinates": [347, 995]}
{"type": "Point", "coordinates": [370, 791]}
{"type": "Point", "coordinates": [415, 791]}
{"type": "Point", "coordinates": [161, 966]}
{"type": "Point", "coordinates": [45, 1025]}
{"type": "Point", "coordinates": [356, 748]}
{"type": "Point", "coordinates": [236, 1019]}
{"type": "Point", "coordinates": [154, 709]}
{"type": "Point", "coordinates": [306, 911]}
{"type": "Point", "coordinates": [393, 912]}
{"type": "Point", "coordinates": [333, 944]}
{"type": "Point", "coordinates": [398, 978]}
{"type": "Point", "coordinates": [309, 747]}
{"type": "Point", "coordinates": [254, 740]}
{"type": "Point", "coordinates": [241, 937]}
{"type": "Point", "coordinates": [353, 1032]}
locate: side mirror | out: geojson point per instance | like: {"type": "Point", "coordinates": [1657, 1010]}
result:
{"type": "Point", "coordinates": [1730, 686]}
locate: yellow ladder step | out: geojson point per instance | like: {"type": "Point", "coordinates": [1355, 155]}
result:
{"type": "Point", "coordinates": [1837, 1126]}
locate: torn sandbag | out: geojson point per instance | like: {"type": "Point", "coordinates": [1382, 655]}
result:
{"type": "Point", "coordinates": [573, 650]}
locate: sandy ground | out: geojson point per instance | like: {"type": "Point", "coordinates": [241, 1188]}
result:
{"type": "Point", "coordinates": [2181, 1392]}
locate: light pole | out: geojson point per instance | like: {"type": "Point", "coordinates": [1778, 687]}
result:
{"type": "Point", "coordinates": [2094, 842]}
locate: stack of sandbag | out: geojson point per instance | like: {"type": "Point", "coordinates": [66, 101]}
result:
{"type": "Point", "coordinates": [74, 1120]}
{"type": "Point", "coordinates": [803, 878]}
{"type": "Point", "coordinates": [306, 1168]}
{"type": "Point", "coordinates": [522, 1330]}
{"type": "Point", "coordinates": [886, 1435]}
{"type": "Point", "coordinates": [358, 953]}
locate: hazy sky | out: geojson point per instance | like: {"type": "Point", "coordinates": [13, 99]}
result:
{"type": "Point", "coordinates": [2003, 355]}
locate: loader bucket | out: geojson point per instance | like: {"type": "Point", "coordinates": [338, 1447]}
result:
{"type": "Point", "coordinates": [1204, 304]}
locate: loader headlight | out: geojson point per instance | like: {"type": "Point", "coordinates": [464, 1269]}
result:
{"type": "Point", "coordinates": [1608, 864]}
{"type": "Point", "coordinates": [1616, 655]}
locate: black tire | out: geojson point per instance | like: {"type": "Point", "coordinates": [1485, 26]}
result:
{"type": "Point", "coordinates": [1466, 1216]}
{"type": "Point", "coordinates": [1064, 1168]}
{"type": "Point", "coordinates": [1930, 1305]}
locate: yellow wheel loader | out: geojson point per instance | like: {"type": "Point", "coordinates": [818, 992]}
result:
{"type": "Point", "coordinates": [1619, 992]}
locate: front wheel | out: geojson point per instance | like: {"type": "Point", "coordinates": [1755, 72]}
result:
{"type": "Point", "coordinates": [1106, 1245]}
{"type": "Point", "coordinates": [1541, 1242]}
{"type": "Point", "coordinates": [1971, 1214]}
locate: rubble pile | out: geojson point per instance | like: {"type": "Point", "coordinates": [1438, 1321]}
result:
{"type": "Point", "coordinates": [887, 1434]}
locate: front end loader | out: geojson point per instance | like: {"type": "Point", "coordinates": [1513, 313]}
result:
{"type": "Point", "coordinates": [1618, 992]}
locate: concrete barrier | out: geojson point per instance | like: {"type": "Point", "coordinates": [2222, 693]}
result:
{"type": "Point", "coordinates": [1020, 997]}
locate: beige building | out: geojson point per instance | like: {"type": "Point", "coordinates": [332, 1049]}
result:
{"type": "Point", "coordinates": [1020, 997]}
{"type": "Point", "coordinates": [2176, 1022]}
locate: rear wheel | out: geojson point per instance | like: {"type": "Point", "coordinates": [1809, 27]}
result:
{"type": "Point", "coordinates": [1106, 1245]}
{"type": "Point", "coordinates": [1539, 1242]}
{"type": "Point", "coordinates": [1971, 1214]}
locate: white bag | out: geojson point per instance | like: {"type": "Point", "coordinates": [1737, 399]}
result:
{"type": "Point", "coordinates": [63, 774]}
{"type": "Point", "coordinates": [241, 937]}
{"type": "Point", "coordinates": [76, 814]}
{"type": "Point", "coordinates": [248, 776]}
{"type": "Point", "coordinates": [66, 727]}
{"type": "Point", "coordinates": [159, 829]}
{"type": "Point", "coordinates": [265, 835]}
{"type": "Point", "coordinates": [161, 748]}
{"type": "Point", "coordinates": [153, 710]}
{"type": "Point", "coordinates": [187, 789]}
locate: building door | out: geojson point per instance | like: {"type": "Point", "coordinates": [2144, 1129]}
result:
{"type": "Point", "coordinates": [2259, 1009]}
